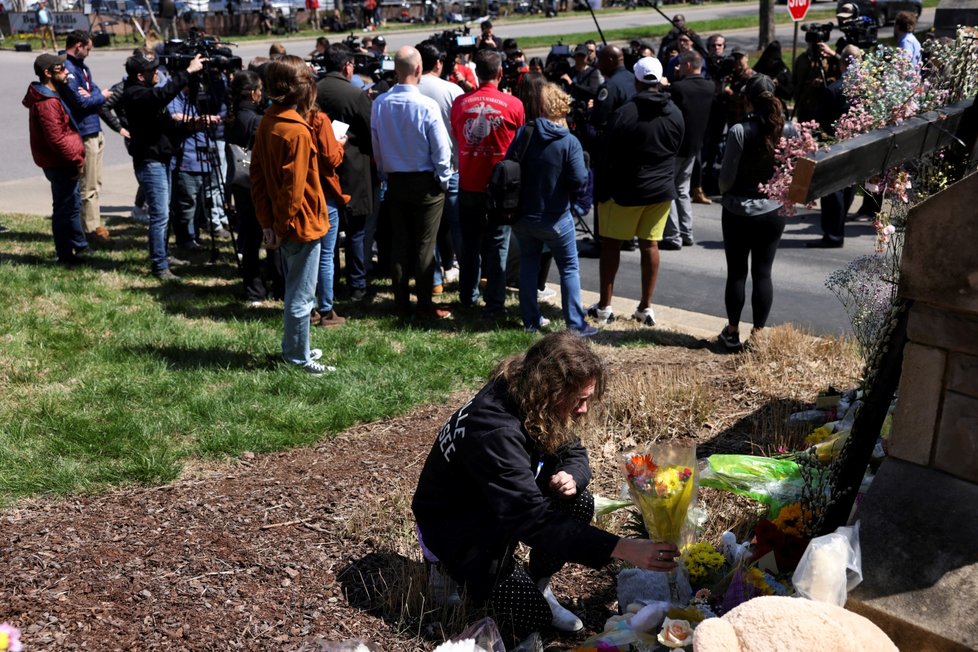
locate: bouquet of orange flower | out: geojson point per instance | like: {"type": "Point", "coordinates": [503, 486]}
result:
{"type": "Point", "coordinates": [662, 483]}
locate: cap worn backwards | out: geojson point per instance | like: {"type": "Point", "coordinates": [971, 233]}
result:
{"type": "Point", "coordinates": [648, 70]}
{"type": "Point", "coordinates": [46, 61]}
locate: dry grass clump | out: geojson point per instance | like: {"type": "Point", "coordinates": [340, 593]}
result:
{"type": "Point", "coordinates": [666, 402]}
{"type": "Point", "coordinates": [790, 363]}
{"type": "Point", "coordinates": [385, 522]}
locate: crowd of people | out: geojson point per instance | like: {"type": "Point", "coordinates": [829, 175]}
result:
{"type": "Point", "coordinates": [399, 163]}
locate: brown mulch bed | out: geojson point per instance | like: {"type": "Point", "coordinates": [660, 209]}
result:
{"type": "Point", "coordinates": [262, 552]}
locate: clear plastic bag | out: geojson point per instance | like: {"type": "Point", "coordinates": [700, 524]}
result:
{"type": "Point", "coordinates": [830, 567]}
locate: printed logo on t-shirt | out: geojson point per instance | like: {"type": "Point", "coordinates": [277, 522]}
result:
{"type": "Point", "coordinates": [482, 121]}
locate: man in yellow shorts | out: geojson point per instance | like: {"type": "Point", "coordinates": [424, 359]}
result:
{"type": "Point", "coordinates": [644, 136]}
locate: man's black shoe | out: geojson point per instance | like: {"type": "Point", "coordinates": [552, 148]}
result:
{"type": "Point", "coordinates": [3, 229]}
{"type": "Point", "coordinates": [824, 243]}
{"type": "Point", "coordinates": [591, 250]}
{"type": "Point", "coordinates": [669, 245]}
{"type": "Point", "coordinates": [358, 294]}
{"type": "Point", "coordinates": [72, 260]}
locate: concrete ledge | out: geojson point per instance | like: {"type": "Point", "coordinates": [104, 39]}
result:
{"type": "Point", "coordinates": [919, 540]}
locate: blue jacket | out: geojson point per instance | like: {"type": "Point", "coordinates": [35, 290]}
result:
{"type": "Point", "coordinates": [84, 110]}
{"type": "Point", "coordinates": [552, 169]}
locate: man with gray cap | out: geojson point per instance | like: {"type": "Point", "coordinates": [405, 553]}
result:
{"type": "Point", "coordinates": [58, 150]}
{"type": "Point", "coordinates": [645, 134]}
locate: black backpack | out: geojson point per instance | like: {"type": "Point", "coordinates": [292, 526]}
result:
{"type": "Point", "coordinates": [503, 191]}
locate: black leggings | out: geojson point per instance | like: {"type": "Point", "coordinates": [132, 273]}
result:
{"type": "Point", "coordinates": [515, 601]}
{"type": "Point", "coordinates": [755, 237]}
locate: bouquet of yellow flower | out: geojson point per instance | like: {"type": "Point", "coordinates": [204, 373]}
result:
{"type": "Point", "coordinates": [662, 483]}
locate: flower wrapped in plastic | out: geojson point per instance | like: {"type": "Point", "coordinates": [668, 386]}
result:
{"type": "Point", "coordinates": [662, 483]}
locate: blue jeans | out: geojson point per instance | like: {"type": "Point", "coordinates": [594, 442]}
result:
{"type": "Point", "coordinates": [186, 199]}
{"type": "Point", "coordinates": [301, 262]}
{"type": "Point", "coordinates": [324, 290]}
{"type": "Point", "coordinates": [485, 247]}
{"type": "Point", "coordinates": [216, 216]}
{"type": "Point", "coordinates": [154, 180]}
{"type": "Point", "coordinates": [66, 212]}
{"type": "Point", "coordinates": [449, 219]}
{"type": "Point", "coordinates": [560, 237]}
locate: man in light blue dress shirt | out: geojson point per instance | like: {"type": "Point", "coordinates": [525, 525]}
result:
{"type": "Point", "coordinates": [413, 152]}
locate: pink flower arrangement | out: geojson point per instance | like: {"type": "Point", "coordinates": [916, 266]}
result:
{"type": "Point", "coordinates": [789, 150]}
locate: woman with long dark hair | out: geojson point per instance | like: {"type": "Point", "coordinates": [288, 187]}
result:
{"type": "Point", "coordinates": [244, 116]}
{"type": "Point", "coordinates": [772, 64]}
{"type": "Point", "coordinates": [752, 223]}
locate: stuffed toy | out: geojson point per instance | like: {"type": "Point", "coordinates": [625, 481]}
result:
{"type": "Point", "coordinates": [780, 624]}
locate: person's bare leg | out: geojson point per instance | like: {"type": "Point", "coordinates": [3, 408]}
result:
{"type": "Point", "coordinates": [648, 251]}
{"type": "Point", "coordinates": [608, 269]}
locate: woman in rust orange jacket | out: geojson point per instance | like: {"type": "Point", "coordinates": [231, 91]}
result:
{"type": "Point", "coordinates": [289, 204]}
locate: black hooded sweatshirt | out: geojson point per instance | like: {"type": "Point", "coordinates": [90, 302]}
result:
{"type": "Point", "coordinates": [643, 138]}
{"type": "Point", "coordinates": [484, 487]}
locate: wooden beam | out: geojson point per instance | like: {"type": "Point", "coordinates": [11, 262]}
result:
{"type": "Point", "coordinates": [860, 158]}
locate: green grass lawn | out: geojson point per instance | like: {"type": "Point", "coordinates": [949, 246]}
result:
{"type": "Point", "coordinates": [108, 377]}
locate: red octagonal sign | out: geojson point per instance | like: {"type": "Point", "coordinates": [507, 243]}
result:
{"type": "Point", "coordinates": [798, 9]}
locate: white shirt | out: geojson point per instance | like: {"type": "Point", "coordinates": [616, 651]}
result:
{"type": "Point", "coordinates": [444, 93]}
{"type": "Point", "coordinates": [409, 135]}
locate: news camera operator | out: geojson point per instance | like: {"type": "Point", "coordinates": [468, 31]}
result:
{"type": "Point", "coordinates": [151, 131]}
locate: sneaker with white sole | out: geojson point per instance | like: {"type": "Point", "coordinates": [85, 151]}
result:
{"type": "Point", "coordinates": [601, 315]}
{"type": "Point", "coordinates": [646, 316]}
{"type": "Point", "coordinates": [546, 293]}
{"type": "Point", "coordinates": [450, 275]}
{"type": "Point", "coordinates": [544, 322]}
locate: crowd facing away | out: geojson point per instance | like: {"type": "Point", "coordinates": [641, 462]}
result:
{"type": "Point", "coordinates": [286, 154]}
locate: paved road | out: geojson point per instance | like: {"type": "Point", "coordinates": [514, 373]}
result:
{"type": "Point", "coordinates": [690, 279]}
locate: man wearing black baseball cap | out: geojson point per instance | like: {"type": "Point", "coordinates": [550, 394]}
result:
{"type": "Point", "coordinates": [58, 150]}
{"type": "Point", "coordinates": [149, 127]}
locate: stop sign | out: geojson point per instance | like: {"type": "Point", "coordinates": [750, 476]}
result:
{"type": "Point", "coordinates": [798, 9]}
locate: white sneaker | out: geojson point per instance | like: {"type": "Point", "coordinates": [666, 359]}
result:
{"type": "Point", "coordinates": [139, 214]}
{"type": "Point", "coordinates": [546, 293]}
{"type": "Point", "coordinates": [544, 322]}
{"type": "Point", "coordinates": [647, 316]}
{"type": "Point", "coordinates": [450, 276]}
{"type": "Point", "coordinates": [563, 619]}
{"type": "Point", "coordinates": [601, 315]}
{"type": "Point", "coordinates": [315, 354]}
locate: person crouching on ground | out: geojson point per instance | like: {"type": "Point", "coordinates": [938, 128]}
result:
{"type": "Point", "coordinates": [508, 468]}
{"type": "Point", "coordinates": [290, 205]}
{"type": "Point", "coordinates": [58, 150]}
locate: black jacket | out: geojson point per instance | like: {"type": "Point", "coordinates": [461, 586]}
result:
{"type": "Point", "coordinates": [693, 95]}
{"type": "Point", "coordinates": [484, 487]}
{"type": "Point", "coordinates": [644, 136]}
{"type": "Point", "coordinates": [242, 130]}
{"type": "Point", "coordinates": [152, 131]}
{"type": "Point", "coordinates": [343, 101]}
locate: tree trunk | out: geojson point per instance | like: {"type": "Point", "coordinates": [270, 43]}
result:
{"type": "Point", "coordinates": [766, 23]}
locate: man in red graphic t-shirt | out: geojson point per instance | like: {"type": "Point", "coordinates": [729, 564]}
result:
{"type": "Point", "coordinates": [484, 123]}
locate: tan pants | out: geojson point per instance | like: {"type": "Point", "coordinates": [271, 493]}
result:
{"type": "Point", "coordinates": [91, 182]}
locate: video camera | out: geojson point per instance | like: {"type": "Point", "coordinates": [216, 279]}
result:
{"type": "Point", "coordinates": [558, 62]}
{"type": "Point", "coordinates": [178, 53]}
{"type": "Point", "coordinates": [860, 31]}
{"type": "Point", "coordinates": [453, 42]}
